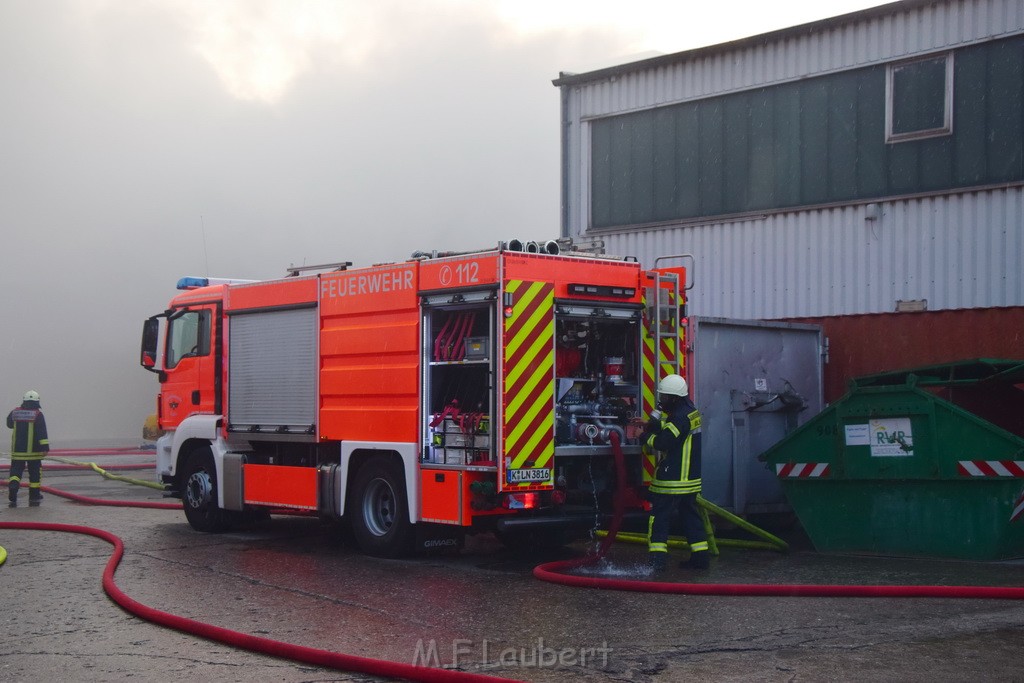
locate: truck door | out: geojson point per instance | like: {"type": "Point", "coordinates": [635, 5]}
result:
{"type": "Point", "coordinates": [191, 382]}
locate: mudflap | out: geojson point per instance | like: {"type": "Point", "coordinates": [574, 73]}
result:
{"type": "Point", "coordinates": [433, 539]}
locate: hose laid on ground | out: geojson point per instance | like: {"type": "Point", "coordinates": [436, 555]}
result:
{"type": "Point", "coordinates": [555, 572]}
{"type": "Point", "coordinates": [771, 539]}
{"type": "Point", "coordinates": [87, 466]}
{"type": "Point", "coordinates": [769, 542]}
{"type": "Point", "coordinates": [680, 542]}
{"type": "Point", "coordinates": [127, 450]}
{"type": "Point", "coordinates": [245, 641]}
{"type": "Point", "coordinates": [116, 477]}
{"type": "Point", "coordinates": [551, 572]}
{"type": "Point", "coordinates": [103, 501]}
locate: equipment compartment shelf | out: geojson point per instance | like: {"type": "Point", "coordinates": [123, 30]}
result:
{"type": "Point", "coordinates": [482, 361]}
{"type": "Point", "coordinates": [427, 465]}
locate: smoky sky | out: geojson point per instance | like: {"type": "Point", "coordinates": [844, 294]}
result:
{"type": "Point", "coordinates": [127, 163]}
{"type": "Point", "coordinates": [131, 154]}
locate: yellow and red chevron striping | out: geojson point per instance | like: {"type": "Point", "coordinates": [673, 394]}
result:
{"type": "Point", "coordinates": [529, 339]}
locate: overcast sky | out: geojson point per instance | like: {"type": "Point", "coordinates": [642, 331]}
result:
{"type": "Point", "coordinates": [143, 140]}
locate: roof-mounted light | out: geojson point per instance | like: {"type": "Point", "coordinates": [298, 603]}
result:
{"type": "Point", "coordinates": [192, 282]}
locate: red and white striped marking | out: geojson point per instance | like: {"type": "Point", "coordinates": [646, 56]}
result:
{"type": "Point", "coordinates": [991, 468]}
{"type": "Point", "coordinates": [1018, 509]}
{"type": "Point", "coordinates": [802, 470]}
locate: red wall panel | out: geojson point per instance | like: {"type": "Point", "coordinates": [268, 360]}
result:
{"type": "Point", "coordinates": [879, 342]}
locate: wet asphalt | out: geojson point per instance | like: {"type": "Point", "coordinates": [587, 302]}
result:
{"type": "Point", "coordinates": [481, 610]}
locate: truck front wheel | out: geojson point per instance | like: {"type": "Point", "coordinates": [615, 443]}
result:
{"type": "Point", "coordinates": [379, 510]}
{"type": "Point", "coordinates": [199, 493]}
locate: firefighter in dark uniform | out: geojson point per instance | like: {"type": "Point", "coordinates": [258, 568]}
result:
{"type": "Point", "coordinates": [676, 434]}
{"type": "Point", "coordinates": [29, 445]}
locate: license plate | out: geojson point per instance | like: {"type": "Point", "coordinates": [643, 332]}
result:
{"type": "Point", "coordinates": [520, 476]}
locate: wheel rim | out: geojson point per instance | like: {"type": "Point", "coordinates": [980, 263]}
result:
{"type": "Point", "coordinates": [379, 507]}
{"type": "Point", "coordinates": [198, 490]}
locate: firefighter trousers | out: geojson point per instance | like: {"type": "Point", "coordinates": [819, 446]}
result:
{"type": "Point", "coordinates": [35, 468]}
{"type": "Point", "coordinates": [662, 507]}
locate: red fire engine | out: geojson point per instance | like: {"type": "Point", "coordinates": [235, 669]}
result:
{"type": "Point", "coordinates": [414, 401]}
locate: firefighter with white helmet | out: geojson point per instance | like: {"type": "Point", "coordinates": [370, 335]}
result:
{"type": "Point", "coordinates": [676, 434]}
{"type": "Point", "coordinates": [29, 445]}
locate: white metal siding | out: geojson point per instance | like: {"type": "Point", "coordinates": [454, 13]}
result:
{"type": "Point", "coordinates": [272, 361]}
{"type": "Point", "coordinates": [935, 27]}
{"type": "Point", "coordinates": [956, 251]}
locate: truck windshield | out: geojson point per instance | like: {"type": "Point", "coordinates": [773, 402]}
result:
{"type": "Point", "coordinates": [188, 335]}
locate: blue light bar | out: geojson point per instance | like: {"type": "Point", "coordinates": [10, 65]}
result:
{"type": "Point", "coordinates": [193, 282]}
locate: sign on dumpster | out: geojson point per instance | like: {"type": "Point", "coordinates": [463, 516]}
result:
{"type": "Point", "coordinates": [887, 437]}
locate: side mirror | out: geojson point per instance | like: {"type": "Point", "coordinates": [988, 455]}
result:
{"type": "Point", "coordinates": [150, 339]}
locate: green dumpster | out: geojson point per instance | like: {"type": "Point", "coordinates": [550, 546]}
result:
{"type": "Point", "coordinates": [923, 462]}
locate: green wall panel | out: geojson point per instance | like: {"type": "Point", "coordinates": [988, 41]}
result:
{"type": "Point", "coordinates": [813, 141]}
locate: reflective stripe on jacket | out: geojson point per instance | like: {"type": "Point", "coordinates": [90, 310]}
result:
{"type": "Point", "coordinates": [678, 437]}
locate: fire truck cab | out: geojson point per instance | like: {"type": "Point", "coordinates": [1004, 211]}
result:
{"type": "Point", "coordinates": [415, 401]}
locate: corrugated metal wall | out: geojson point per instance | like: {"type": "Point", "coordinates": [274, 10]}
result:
{"type": "Point", "coordinates": [868, 344]}
{"type": "Point", "coordinates": [957, 251]}
{"type": "Point", "coordinates": [879, 39]}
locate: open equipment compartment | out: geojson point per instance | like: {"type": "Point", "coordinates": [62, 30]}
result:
{"type": "Point", "coordinates": [597, 369]}
{"type": "Point", "coordinates": [458, 381]}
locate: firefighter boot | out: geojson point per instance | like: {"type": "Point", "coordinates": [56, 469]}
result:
{"type": "Point", "coordinates": [12, 493]}
{"type": "Point", "coordinates": [35, 497]}
{"type": "Point", "coordinates": [699, 560]}
{"type": "Point", "coordinates": [657, 562]}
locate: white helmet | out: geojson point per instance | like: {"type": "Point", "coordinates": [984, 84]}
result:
{"type": "Point", "coordinates": [30, 395]}
{"type": "Point", "coordinates": [673, 385]}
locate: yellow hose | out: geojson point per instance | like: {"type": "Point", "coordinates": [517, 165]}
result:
{"type": "Point", "coordinates": [3, 554]}
{"type": "Point", "coordinates": [680, 542]}
{"type": "Point", "coordinates": [742, 523]}
{"type": "Point", "coordinates": [107, 475]}
{"type": "Point", "coordinates": [769, 542]}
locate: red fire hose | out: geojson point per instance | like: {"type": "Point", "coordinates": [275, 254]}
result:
{"type": "Point", "coordinates": [551, 572]}
{"type": "Point", "coordinates": [245, 641]}
{"type": "Point", "coordinates": [555, 572]}
{"type": "Point", "coordinates": [274, 648]}
{"type": "Point", "coordinates": [104, 501]}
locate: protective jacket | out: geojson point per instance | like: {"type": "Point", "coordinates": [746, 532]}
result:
{"type": "Point", "coordinates": [677, 435]}
{"type": "Point", "coordinates": [28, 440]}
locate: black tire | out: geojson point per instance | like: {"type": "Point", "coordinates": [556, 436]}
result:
{"type": "Point", "coordinates": [379, 511]}
{"type": "Point", "coordinates": [199, 493]}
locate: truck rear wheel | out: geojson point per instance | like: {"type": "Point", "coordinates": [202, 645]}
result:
{"type": "Point", "coordinates": [379, 511]}
{"type": "Point", "coordinates": [199, 493]}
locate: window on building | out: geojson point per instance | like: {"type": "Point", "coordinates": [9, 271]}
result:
{"type": "Point", "coordinates": [919, 99]}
